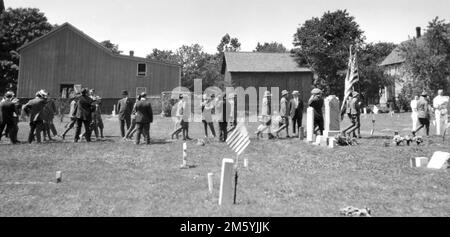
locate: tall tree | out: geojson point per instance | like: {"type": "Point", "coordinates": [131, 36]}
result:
{"type": "Point", "coordinates": [2, 6]}
{"type": "Point", "coordinates": [164, 56]}
{"type": "Point", "coordinates": [113, 47]}
{"type": "Point", "coordinates": [427, 60]}
{"type": "Point", "coordinates": [272, 47]}
{"type": "Point", "coordinates": [17, 27]}
{"type": "Point", "coordinates": [228, 44]}
{"type": "Point", "coordinates": [323, 43]}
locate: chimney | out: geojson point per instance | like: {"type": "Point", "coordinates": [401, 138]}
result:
{"type": "Point", "coordinates": [132, 53]}
{"type": "Point", "coordinates": [418, 32]}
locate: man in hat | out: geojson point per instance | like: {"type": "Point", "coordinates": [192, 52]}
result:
{"type": "Point", "coordinates": [144, 116]}
{"type": "Point", "coordinates": [177, 110]}
{"type": "Point", "coordinates": [9, 117]}
{"type": "Point", "coordinates": [284, 113]}
{"type": "Point", "coordinates": [316, 102]}
{"type": "Point", "coordinates": [296, 111]}
{"type": "Point", "coordinates": [355, 112]}
{"type": "Point", "coordinates": [97, 121]}
{"type": "Point", "coordinates": [423, 113]}
{"type": "Point", "coordinates": [34, 109]}
{"type": "Point", "coordinates": [125, 108]}
{"type": "Point", "coordinates": [84, 115]}
{"type": "Point", "coordinates": [440, 103]}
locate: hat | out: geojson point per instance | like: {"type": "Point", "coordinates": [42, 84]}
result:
{"type": "Point", "coordinates": [143, 94]}
{"type": "Point", "coordinates": [355, 94]}
{"type": "Point", "coordinates": [316, 91]}
{"type": "Point", "coordinates": [267, 94]}
{"type": "Point", "coordinates": [180, 96]}
{"type": "Point", "coordinates": [124, 92]}
{"type": "Point", "coordinates": [424, 93]}
{"type": "Point", "coordinates": [285, 92]}
{"type": "Point", "coordinates": [9, 94]}
{"type": "Point", "coordinates": [296, 93]}
{"type": "Point", "coordinates": [84, 91]}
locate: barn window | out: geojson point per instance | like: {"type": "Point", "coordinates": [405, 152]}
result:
{"type": "Point", "coordinates": [142, 69]}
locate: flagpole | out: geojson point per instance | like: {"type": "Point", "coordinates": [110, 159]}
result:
{"type": "Point", "coordinates": [236, 178]}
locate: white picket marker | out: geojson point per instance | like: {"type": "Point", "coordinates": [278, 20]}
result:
{"type": "Point", "coordinates": [114, 111]}
{"type": "Point", "coordinates": [246, 163]}
{"type": "Point", "coordinates": [58, 176]}
{"type": "Point", "coordinates": [226, 182]}
{"type": "Point", "coordinates": [210, 182]}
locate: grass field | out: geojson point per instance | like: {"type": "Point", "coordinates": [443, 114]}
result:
{"type": "Point", "coordinates": [286, 177]}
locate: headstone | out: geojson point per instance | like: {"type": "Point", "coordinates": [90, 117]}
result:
{"type": "Point", "coordinates": [184, 165]}
{"type": "Point", "coordinates": [439, 160]}
{"type": "Point", "coordinates": [210, 182]}
{"type": "Point", "coordinates": [419, 162]}
{"type": "Point", "coordinates": [332, 142]}
{"type": "Point", "coordinates": [246, 163]}
{"type": "Point", "coordinates": [58, 176]}
{"type": "Point", "coordinates": [226, 182]}
{"type": "Point", "coordinates": [114, 111]}
{"type": "Point", "coordinates": [324, 141]}
{"type": "Point", "coordinates": [301, 133]}
{"type": "Point", "coordinates": [332, 116]}
{"type": "Point", "coordinates": [309, 124]}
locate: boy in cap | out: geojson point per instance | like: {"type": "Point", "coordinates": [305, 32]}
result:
{"type": "Point", "coordinates": [72, 115]}
{"type": "Point", "coordinates": [284, 113]}
{"type": "Point", "coordinates": [355, 110]}
{"type": "Point", "coordinates": [316, 102]}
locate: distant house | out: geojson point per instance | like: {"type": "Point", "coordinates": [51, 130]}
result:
{"type": "Point", "coordinates": [250, 69]}
{"type": "Point", "coordinates": [66, 57]}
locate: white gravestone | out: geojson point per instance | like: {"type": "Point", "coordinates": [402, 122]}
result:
{"type": "Point", "coordinates": [318, 140]}
{"type": "Point", "coordinates": [210, 182]}
{"type": "Point", "coordinates": [332, 142]}
{"type": "Point", "coordinates": [332, 116]}
{"type": "Point", "coordinates": [226, 182]}
{"type": "Point", "coordinates": [439, 160]}
{"type": "Point", "coordinates": [419, 162]}
{"type": "Point", "coordinates": [310, 125]}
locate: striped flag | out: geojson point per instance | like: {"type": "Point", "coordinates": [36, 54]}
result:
{"type": "Point", "coordinates": [351, 78]}
{"type": "Point", "coordinates": [239, 139]}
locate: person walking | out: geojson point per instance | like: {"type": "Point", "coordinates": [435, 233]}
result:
{"type": "Point", "coordinates": [296, 111]}
{"type": "Point", "coordinates": [33, 109]}
{"type": "Point", "coordinates": [423, 112]}
{"type": "Point", "coordinates": [223, 108]}
{"type": "Point", "coordinates": [72, 115]}
{"type": "Point", "coordinates": [84, 115]}
{"type": "Point", "coordinates": [316, 102]}
{"type": "Point", "coordinates": [144, 117]}
{"type": "Point", "coordinates": [440, 103]}
{"type": "Point", "coordinates": [414, 113]}
{"type": "Point", "coordinates": [9, 117]}
{"type": "Point", "coordinates": [125, 107]}
{"type": "Point", "coordinates": [266, 116]}
{"type": "Point", "coordinates": [207, 107]}
{"type": "Point", "coordinates": [284, 113]}
{"type": "Point", "coordinates": [355, 113]}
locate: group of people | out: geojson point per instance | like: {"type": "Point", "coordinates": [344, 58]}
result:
{"type": "Point", "coordinates": [423, 111]}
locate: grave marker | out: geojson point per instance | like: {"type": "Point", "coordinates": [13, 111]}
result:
{"type": "Point", "coordinates": [332, 116]}
{"type": "Point", "coordinates": [418, 162]}
{"type": "Point", "coordinates": [332, 142]}
{"type": "Point", "coordinates": [309, 124]}
{"type": "Point", "coordinates": [58, 176]}
{"type": "Point", "coordinates": [226, 182]}
{"type": "Point", "coordinates": [210, 182]}
{"type": "Point", "coordinates": [439, 160]}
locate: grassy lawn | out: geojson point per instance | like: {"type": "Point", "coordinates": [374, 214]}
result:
{"type": "Point", "coordinates": [286, 177]}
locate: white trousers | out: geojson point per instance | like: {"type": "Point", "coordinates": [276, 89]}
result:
{"type": "Point", "coordinates": [441, 122]}
{"type": "Point", "coordinates": [415, 120]}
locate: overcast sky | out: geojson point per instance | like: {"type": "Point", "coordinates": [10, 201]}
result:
{"type": "Point", "coordinates": [142, 25]}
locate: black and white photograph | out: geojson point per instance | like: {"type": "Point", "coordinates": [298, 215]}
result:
{"type": "Point", "coordinates": [227, 109]}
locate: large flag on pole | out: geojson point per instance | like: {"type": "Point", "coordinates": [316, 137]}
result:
{"type": "Point", "coordinates": [239, 139]}
{"type": "Point", "coordinates": [351, 78]}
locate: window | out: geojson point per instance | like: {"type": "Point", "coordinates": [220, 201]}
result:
{"type": "Point", "coordinates": [142, 69]}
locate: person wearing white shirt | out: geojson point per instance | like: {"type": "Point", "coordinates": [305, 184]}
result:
{"type": "Point", "coordinates": [414, 114]}
{"type": "Point", "coordinates": [440, 103]}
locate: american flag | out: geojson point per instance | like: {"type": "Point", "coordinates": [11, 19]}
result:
{"type": "Point", "coordinates": [351, 78]}
{"type": "Point", "coordinates": [239, 139]}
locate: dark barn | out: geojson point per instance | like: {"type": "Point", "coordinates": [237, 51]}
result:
{"type": "Point", "coordinates": [250, 69]}
{"type": "Point", "coordinates": [66, 57]}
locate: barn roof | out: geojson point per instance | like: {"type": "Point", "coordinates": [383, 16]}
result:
{"type": "Point", "coordinates": [261, 62]}
{"type": "Point", "coordinates": [91, 40]}
{"type": "Point", "coordinates": [395, 57]}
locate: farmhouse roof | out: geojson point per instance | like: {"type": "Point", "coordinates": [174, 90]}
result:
{"type": "Point", "coordinates": [261, 62]}
{"type": "Point", "coordinates": [91, 40]}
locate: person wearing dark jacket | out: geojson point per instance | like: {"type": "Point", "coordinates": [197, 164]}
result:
{"type": "Point", "coordinates": [223, 110]}
{"type": "Point", "coordinates": [34, 109]}
{"type": "Point", "coordinates": [316, 102]}
{"type": "Point", "coordinates": [355, 107]}
{"type": "Point", "coordinates": [296, 111]}
{"type": "Point", "coordinates": [125, 108]}
{"type": "Point", "coordinates": [144, 116]}
{"type": "Point", "coordinates": [84, 115]}
{"type": "Point", "coordinates": [9, 117]}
